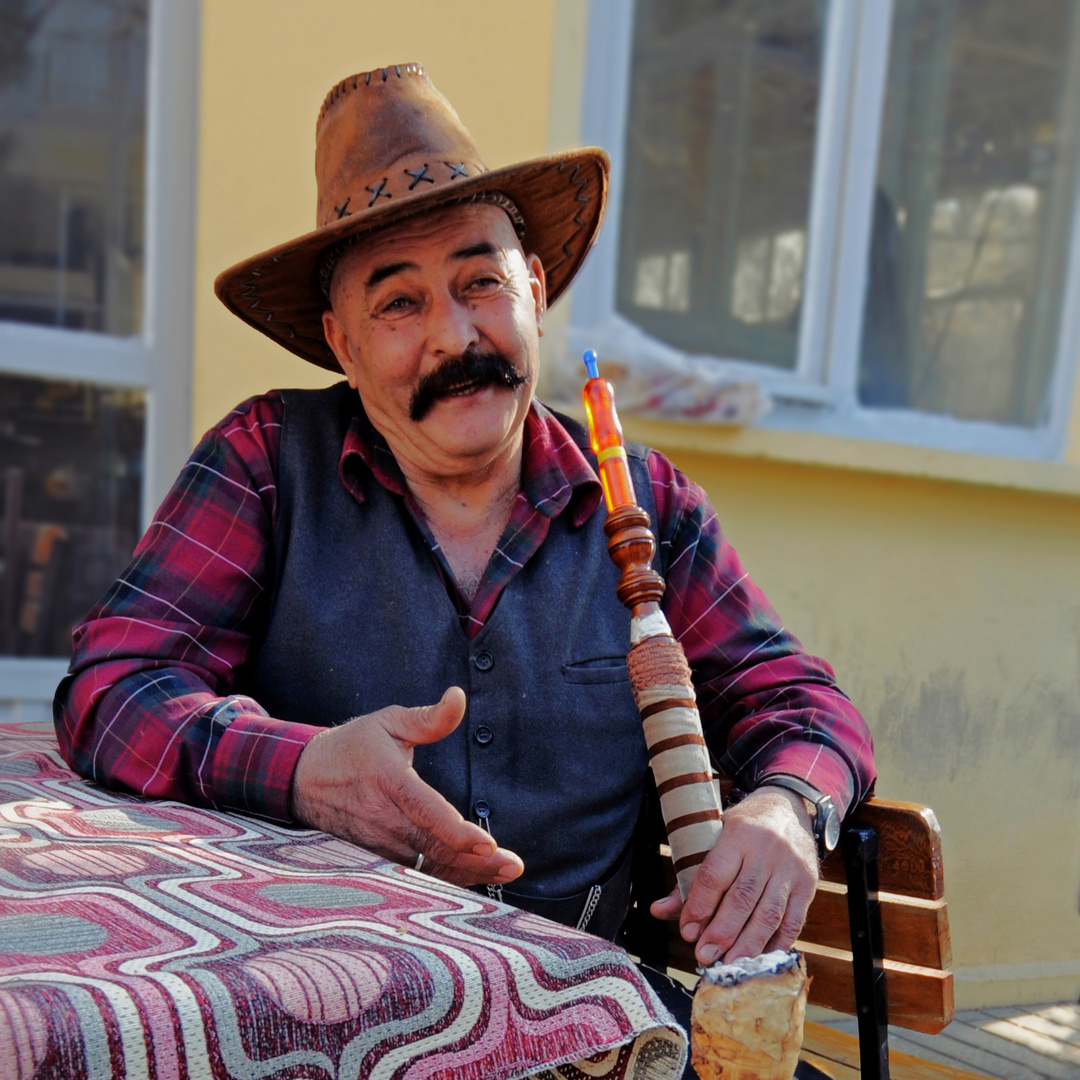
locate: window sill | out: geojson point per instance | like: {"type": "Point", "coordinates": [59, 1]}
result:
{"type": "Point", "coordinates": [861, 455]}
{"type": "Point", "coordinates": [30, 678]}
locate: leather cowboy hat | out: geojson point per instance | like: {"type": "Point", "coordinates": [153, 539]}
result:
{"type": "Point", "coordinates": [388, 145]}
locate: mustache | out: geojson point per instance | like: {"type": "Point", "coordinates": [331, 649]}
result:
{"type": "Point", "coordinates": [474, 368]}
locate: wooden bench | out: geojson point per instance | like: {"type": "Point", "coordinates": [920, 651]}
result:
{"type": "Point", "coordinates": [883, 955]}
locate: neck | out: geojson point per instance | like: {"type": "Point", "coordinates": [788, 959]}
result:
{"type": "Point", "coordinates": [465, 506]}
{"type": "Point", "coordinates": [467, 514]}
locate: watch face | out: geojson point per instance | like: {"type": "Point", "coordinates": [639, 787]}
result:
{"type": "Point", "coordinates": [832, 829]}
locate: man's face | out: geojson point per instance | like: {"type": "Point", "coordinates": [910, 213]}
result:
{"type": "Point", "coordinates": [436, 322]}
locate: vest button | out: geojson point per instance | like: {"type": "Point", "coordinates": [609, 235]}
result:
{"type": "Point", "coordinates": [483, 661]}
{"type": "Point", "coordinates": [484, 735]}
{"type": "Point", "coordinates": [481, 808]}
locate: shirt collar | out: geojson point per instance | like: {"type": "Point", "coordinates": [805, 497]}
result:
{"type": "Point", "coordinates": [555, 474]}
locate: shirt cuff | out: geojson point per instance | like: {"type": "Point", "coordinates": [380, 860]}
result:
{"type": "Point", "coordinates": [820, 766]}
{"type": "Point", "coordinates": [254, 763]}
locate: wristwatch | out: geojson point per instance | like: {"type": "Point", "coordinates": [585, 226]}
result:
{"type": "Point", "coordinates": [820, 807]}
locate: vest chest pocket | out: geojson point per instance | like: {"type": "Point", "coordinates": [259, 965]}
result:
{"type": "Point", "coordinates": [599, 669]}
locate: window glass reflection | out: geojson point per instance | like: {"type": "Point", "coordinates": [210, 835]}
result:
{"type": "Point", "coordinates": [69, 504]}
{"type": "Point", "coordinates": [719, 159]}
{"type": "Point", "coordinates": [72, 144]}
{"type": "Point", "coordinates": [973, 208]}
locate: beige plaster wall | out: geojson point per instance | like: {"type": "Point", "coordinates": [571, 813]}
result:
{"type": "Point", "coordinates": [944, 588]}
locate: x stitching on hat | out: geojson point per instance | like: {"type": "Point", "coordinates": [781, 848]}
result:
{"type": "Point", "coordinates": [377, 191]}
{"type": "Point", "coordinates": [418, 175]}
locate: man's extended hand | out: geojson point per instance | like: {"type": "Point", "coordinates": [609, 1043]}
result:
{"type": "Point", "coordinates": [357, 781]}
{"type": "Point", "coordinates": [752, 892]}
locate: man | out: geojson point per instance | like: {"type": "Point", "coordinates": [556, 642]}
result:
{"type": "Point", "coordinates": [385, 610]}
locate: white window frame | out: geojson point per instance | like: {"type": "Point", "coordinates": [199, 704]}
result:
{"type": "Point", "coordinates": [157, 360]}
{"type": "Point", "coordinates": [820, 394]}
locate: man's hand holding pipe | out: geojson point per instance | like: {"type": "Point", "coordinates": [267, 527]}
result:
{"type": "Point", "coordinates": [357, 781]}
{"type": "Point", "coordinates": [753, 890]}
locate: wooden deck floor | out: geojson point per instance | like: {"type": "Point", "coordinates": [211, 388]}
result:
{"type": "Point", "coordinates": [1029, 1042]}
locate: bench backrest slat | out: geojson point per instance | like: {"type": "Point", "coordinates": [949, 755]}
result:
{"type": "Point", "coordinates": [910, 841]}
{"type": "Point", "coordinates": [919, 998]}
{"type": "Point", "coordinates": [912, 931]}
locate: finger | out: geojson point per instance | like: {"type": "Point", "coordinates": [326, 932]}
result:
{"type": "Point", "coordinates": [714, 878]}
{"type": "Point", "coordinates": [459, 850]}
{"type": "Point", "coordinates": [404, 842]}
{"type": "Point", "coordinates": [501, 865]}
{"type": "Point", "coordinates": [668, 908]}
{"type": "Point", "coordinates": [737, 907]}
{"type": "Point", "coordinates": [763, 922]}
{"type": "Point", "coordinates": [432, 816]}
{"type": "Point", "coordinates": [793, 921]}
{"type": "Point", "coordinates": [425, 723]}
{"type": "Point", "coordinates": [463, 871]}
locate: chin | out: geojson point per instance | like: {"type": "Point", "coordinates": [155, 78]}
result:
{"type": "Point", "coordinates": [477, 425]}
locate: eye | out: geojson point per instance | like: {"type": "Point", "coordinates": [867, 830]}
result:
{"type": "Point", "coordinates": [483, 282]}
{"type": "Point", "coordinates": [397, 305]}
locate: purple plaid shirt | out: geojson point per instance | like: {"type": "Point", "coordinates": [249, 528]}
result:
{"type": "Point", "coordinates": [148, 704]}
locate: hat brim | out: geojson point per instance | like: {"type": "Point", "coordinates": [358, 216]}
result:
{"type": "Point", "coordinates": [560, 196]}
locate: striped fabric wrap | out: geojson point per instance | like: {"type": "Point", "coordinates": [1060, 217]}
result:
{"type": "Point", "coordinates": [689, 800]}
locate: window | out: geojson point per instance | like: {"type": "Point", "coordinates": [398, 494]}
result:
{"type": "Point", "coordinates": [96, 199]}
{"type": "Point", "coordinates": [869, 207]}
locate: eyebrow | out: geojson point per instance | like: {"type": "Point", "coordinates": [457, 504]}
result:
{"type": "Point", "coordinates": [381, 273]}
{"type": "Point", "coordinates": [482, 247]}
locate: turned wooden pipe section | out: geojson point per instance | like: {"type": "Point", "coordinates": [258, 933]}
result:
{"type": "Point", "coordinates": [632, 547]}
{"type": "Point", "coordinates": [659, 674]}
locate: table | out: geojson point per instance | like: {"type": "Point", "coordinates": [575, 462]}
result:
{"type": "Point", "coordinates": [153, 940]}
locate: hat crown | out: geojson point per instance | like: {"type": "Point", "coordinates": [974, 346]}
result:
{"type": "Point", "coordinates": [384, 134]}
{"type": "Point", "coordinates": [389, 146]}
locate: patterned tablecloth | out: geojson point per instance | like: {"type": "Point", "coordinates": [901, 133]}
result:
{"type": "Point", "coordinates": [153, 940]}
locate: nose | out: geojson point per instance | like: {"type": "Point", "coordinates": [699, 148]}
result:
{"type": "Point", "coordinates": [451, 326]}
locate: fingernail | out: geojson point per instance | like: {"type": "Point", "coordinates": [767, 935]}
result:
{"type": "Point", "coordinates": [508, 873]}
{"type": "Point", "coordinates": [690, 931]}
{"type": "Point", "coordinates": [708, 953]}
{"type": "Point", "coordinates": [483, 849]}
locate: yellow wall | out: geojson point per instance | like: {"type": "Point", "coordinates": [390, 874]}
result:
{"type": "Point", "coordinates": [944, 588]}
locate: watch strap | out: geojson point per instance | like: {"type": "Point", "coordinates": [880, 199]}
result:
{"type": "Point", "coordinates": [823, 806]}
{"type": "Point", "coordinates": [793, 783]}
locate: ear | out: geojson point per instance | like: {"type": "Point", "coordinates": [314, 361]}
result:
{"type": "Point", "coordinates": [538, 284]}
{"type": "Point", "coordinates": [338, 340]}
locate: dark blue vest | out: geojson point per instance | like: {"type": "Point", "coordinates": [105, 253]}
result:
{"type": "Point", "coordinates": [551, 752]}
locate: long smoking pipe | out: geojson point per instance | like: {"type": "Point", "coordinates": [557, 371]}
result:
{"type": "Point", "coordinates": [659, 674]}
